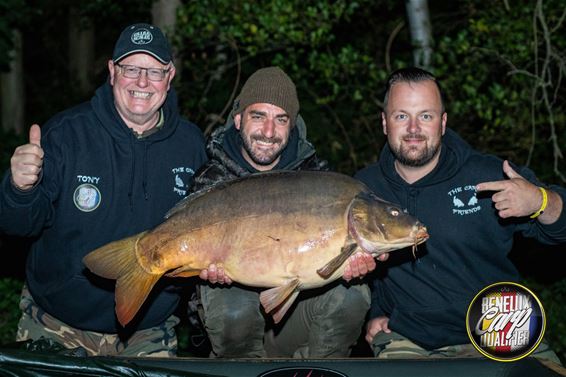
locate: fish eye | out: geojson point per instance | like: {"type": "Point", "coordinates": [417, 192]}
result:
{"type": "Point", "coordinates": [394, 212]}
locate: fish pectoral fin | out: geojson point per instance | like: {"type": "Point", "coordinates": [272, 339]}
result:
{"type": "Point", "coordinates": [329, 268]}
{"type": "Point", "coordinates": [279, 298]}
{"type": "Point", "coordinates": [280, 311]}
{"type": "Point", "coordinates": [183, 272]}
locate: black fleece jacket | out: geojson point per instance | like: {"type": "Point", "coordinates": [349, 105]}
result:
{"type": "Point", "coordinates": [100, 183]}
{"type": "Point", "coordinates": [427, 298]}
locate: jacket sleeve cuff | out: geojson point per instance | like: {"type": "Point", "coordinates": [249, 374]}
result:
{"type": "Point", "coordinates": [16, 196]}
{"type": "Point", "coordinates": [559, 226]}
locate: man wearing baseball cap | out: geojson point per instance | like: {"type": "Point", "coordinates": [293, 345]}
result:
{"type": "Point", "coordinates": [265, 132]}
{"type": "Point", "coordinates": [98, 172]}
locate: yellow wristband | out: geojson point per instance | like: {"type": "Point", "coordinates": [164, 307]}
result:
{"type": "Point", "coordinates": [543, 205]}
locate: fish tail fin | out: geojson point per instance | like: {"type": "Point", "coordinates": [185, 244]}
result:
{"type": "Point", "coordinates": [112, 260]}
{"type": "Point", "coordinates": [279, 299]}
{"type": "Point", "coordinates": [132, 290]}
{"type": "Point", "coordinates": [117, 260]}
{"type": "Point", "coordinates": [328, 269]}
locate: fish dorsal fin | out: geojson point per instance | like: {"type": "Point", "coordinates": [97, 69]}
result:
{"type": "Point", "coordinates": [279, 298]}
{"type": "Point", "coordinates": [329, 268]}
{"type": "Point", "coordinates": [183, 203]}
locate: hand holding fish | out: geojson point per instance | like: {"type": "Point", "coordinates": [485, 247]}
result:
{"type": "Point", "coordinates": [27, 160]}
{"type": "Point", "coordinates": [517, 197]}
{"type": "Point", "coordinates": [375, 326]}
{"type": "Point", "coordinates": [360, 264]}
{"type": "Point", "coordinates": [215, 274]}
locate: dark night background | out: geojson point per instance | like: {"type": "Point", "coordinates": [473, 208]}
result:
{"type": "Point", "coordinates": [501, 63]}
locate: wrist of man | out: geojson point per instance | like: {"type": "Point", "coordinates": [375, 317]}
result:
{"type": "Point", "coordinates": [25, 189]}
{"type": "Point", "coordinates": [543, 204]}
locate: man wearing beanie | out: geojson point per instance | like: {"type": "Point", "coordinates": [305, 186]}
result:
{"type": "Point", "coordinates": [265, 132]}
{"type": "Point", "coordinates": [98, 172]}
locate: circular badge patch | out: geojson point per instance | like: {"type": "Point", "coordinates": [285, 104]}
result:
{"type": "Point", "coordinates": [505, 321]}
{"type": "Point", "coordinates": [86, 197]}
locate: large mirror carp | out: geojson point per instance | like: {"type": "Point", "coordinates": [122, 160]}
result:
{"type": "Point", "coordinates": [283, 230]}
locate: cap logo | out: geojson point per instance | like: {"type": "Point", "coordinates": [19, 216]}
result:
{"type": "Point", "coordinates": [142, 37]}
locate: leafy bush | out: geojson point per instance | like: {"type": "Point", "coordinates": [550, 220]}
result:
{"type": "Point", "coordinates": [9, 143]}
{"type": "Point", "coordinates": [552, 298]}
{"type": "Point", "coordinates": [10, 313]}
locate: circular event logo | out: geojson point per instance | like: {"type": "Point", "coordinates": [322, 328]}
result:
{"type": "Point", "coordinates": [505, 321]}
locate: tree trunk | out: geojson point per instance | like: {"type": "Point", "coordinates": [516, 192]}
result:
{"type": "Point", "coordinates": [81, 52]}
{"type": "Point", "coordinates": [421, 32]}
{"type": "Point", "coordinates": [164, 15]}
{"type": "Point", "coordinates": [13, 100]}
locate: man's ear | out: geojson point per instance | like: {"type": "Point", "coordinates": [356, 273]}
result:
{"type": "Point", "coordinates": [237, 120]}
{"type": "Point", "coordinates": [384, 122]}
{"type": "Point", "coordinates": [171, 75]}
{"type": "Point", "coordinates": [112, 71]}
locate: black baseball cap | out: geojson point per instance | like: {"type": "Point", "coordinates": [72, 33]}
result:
{"type": "Point", "coordinates": [144, 38]}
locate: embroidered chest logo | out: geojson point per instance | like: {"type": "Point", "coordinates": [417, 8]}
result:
{"type": "Point", "coordinates": [464, 200]}
{"type": "Point", "coordinates": [182, 178]}
{"type": "Point", "coordinates": [87, 197]}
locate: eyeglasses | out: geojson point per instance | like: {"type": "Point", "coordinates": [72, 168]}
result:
{"type": "Point", "coordinates": [133, 72]}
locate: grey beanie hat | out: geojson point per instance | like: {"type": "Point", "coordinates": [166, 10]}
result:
{"type": "Point", "coordinates": [269, 85]}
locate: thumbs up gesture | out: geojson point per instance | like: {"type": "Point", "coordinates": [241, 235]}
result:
{"type": "Point", "coordinates": [27, 160]}
{"type": "Point", "coordinates": [513, 197]}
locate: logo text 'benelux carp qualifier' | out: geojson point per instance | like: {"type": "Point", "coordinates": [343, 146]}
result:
{"type": "Point", "coordinates": [505, 321]}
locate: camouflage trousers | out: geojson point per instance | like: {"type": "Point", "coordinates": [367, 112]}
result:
{"type": "Point", "coordinates": [159, 341]}
{"type": "Point", "coordinates": [396, 346]}
{"type": "Point", "coordinates": [324, 322]}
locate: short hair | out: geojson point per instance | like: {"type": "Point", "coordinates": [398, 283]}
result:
{"type": "Point", "coordinates": [411, 75]}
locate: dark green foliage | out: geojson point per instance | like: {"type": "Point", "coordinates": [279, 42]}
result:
{"type": "Point", "coordinates": [491, 60]}
{"type": "Point", "coordinates": [9, 142]}
{"type": "Point", "coordinates": [498, 72]}
{"type": "Point", "coordinates": [14, 16]}
{"type": "Point", "coordinates": [336, 75]}
{"type": "Point", "coordinates": [10, 313]}
{"type": "Point", "coordinates": [553, 297]}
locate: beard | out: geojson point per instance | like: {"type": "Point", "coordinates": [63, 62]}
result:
{"type": "Point", "coordinates": [262, 156]}
{"type": "Point", "coordinates": [414, 156]}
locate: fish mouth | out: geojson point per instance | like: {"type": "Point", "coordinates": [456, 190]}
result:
{"type": "Point", "coordinates": [415, 238]}
{"type": "Point", "coordinates": [420, 236]}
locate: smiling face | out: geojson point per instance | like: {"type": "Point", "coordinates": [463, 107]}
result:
{"type": "Point", "coordinates": [414, 124]}
{"type": "Point", "coordinates": [138, 100]}
{"type": "Point", "coordinates": [264, 129]}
